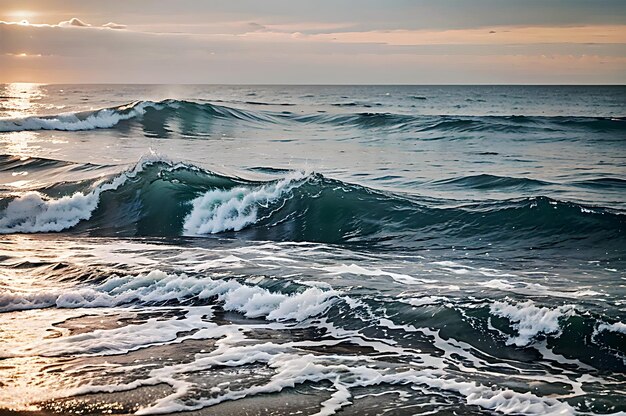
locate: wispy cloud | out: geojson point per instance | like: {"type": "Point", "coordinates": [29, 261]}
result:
{"type": "Point", "coordinates": [485, 36]}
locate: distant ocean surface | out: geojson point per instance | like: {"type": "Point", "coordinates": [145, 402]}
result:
{"type": "Point", "coordinates": [300, 250]}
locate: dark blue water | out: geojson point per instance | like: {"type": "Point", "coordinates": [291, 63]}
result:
{"type": "Point", "coordinates": [313, 249]}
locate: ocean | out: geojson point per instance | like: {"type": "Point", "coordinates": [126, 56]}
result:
{"type": "Point", "coordinates": [300, 250]}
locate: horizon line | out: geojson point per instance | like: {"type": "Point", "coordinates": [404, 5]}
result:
{"type": "Point", "coordinates": [328, 84]}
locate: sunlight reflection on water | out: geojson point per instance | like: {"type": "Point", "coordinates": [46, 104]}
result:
{"type": "Point", "coordinates": [20, 99]}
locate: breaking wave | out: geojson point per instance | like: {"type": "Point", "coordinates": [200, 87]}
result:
{"type": "Point", "coordinates": [162, 110]}
{"type": "Point", "coordinates": [161, 198]}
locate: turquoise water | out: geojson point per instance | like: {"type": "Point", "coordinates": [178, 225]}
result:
{"type": "Point", "coordinates": [331, 249]}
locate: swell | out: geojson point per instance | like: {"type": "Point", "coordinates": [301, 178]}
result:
{"type": "Point", "coordinates": [602, 183]}
{"type": "Point", "coordinates": [161, 198]}
{"type": "Point", "coordinates": [528, 186]}
{"type": "Point", "coordinates": [11, 163]}
{"type": "Point", "coordinates": [485, 181]}
{"type": "Point", "coordinates": [112, 116]}
{"type": "Point", "coordinates": [201, 111]}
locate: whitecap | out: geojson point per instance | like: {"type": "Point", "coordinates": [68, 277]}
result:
{"type": "Point", "coordinates": [234, 209]}
{"type": "Point", "coordinates": [530, 320]}
{"type": "Point", "coordinates": [100, 119]}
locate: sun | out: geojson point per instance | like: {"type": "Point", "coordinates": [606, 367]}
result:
{"type": "Point", "coordinates": [21, 15]}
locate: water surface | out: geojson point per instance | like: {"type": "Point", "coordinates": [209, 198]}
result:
{"type": "Point", "coordinates": [312, 249]}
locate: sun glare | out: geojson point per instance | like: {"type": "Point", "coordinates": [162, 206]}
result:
{"type": "Point", "coordinates": [21, 14]}
{"type": "Point", "coordinates": [22, 96]}
{"type": "Point", "coordinates": [21, 17]}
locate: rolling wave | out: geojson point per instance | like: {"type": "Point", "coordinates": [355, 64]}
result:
{"type": "Point", "coordinates": [110, 117]}
{"type": "Point", "coordinates": [86, 120]}
{"type": "Point", "coordinates": [485, 181]}
{"type": "Point", "coordinates": [161, 198]}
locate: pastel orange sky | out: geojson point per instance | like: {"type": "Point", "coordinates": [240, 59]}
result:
{"type": "Point", "coordinates": [346, 41]}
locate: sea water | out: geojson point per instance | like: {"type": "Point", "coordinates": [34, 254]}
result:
{"type": "Point", "coordinates": [312, 249]}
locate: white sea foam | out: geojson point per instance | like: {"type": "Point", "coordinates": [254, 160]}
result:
{"type": "Point", "coordinates": [359, 270]}
{"type": "Point", "coordinates": [425, 300]}
{"type": "Point", "coordinates": [453, 267]}
{"type": "Point", "coordinates": [130, 337]}
{"type": "Point", "coordinates": [530, 320]}
{"type": "Point", "coordinates": [34, 212]}
{"type": "Point", "coordinates": [530, 289]}
{"type": "Point", "coordinates": [158, 286]}
{"type": "Point", "coordinates": [288, 361]}
{"type": "Point", "coordinates": [101, 119]}
{"type": "Point", "coordinates": [221, 210]}
{"type": "Point", "coordinates": [344, 372]}
{"type": "Point", "coordinates": [338, 399]}
{"type": "Point", "coordinates": [619, 327]}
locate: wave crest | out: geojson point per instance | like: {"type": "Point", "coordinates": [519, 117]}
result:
{"type": "Point", "coordinates": [34, 212]}
{"type": "Point", "coordinates": [233, 209]}
{"type": "Point", "coordinates": [91, 120]}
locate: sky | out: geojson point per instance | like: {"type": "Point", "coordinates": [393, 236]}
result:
{"type": "Point", "coordinates": [314, 42]}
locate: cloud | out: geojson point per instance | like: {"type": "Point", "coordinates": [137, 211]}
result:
{"type": "Point", "coordinates": [508, 35]}
{"type": "Point", "coordinates": [256, 27]}
{"type": "Point", "coordinates": [112, 25]}
{"type": "Point", "coordinates": [75, 22]}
